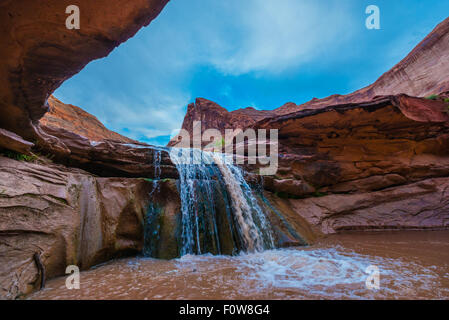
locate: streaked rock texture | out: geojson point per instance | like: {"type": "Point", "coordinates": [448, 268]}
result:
{"type": "Point", "coordinates": [422, 73]}
{"type": "Point", "coordinates": [76, 120]}
{"type": "Point", "coordinates": [212, 115]}
{"type": "Point", "coordinates": [68, 217]}
{"type": "Point", "coordinates": [38, 52]}
{"type": "Point", "coordinates": [13, 142]}
{"type": "Point", "coordinates": [420, 205]}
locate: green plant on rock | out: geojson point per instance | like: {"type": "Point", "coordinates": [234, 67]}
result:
{"type": "Point", "coordinates": [318, 194]}
{"type": "Point", "coordinates": [432, 97]}
{"type": "Point", "coordinates": [19, 156]}
{"type": "Point", "coordinates": [220, 143]}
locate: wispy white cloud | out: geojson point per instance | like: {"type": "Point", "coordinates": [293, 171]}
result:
{"type": "Point", "coordinates": [283, 34]}
{"type": "Point", "coordinates": [142, 88]}
{"type": "Point", "coordinates": [154, 116]}
{"type": "Point", "coordinates": [239, 37]}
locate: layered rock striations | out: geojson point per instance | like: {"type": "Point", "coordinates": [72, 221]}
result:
{"type": "Point", "coordinates": [51, 214]}
{"type": "Point", "coordinates": [38, 52]}
{"type": "Point", "coordinates": [67, 217]}
{"type": "Point", "coordinates": [375, 159]}
{"type": "Point", "coordinates": [422, 73]}
{"type": "Point", "coordinates": [76, 120]}
{"type": "Point", "coordinates": [379, 140]}
{"type": "Point", "coordinates": [357, 150]}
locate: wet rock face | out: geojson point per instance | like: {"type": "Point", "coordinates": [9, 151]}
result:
{"type": "Point", "coordinates": [66, 216]}
{"type": "Point", "coordinates": [38, 52]}
{"type": "Point", "coordinates": [216, 220]}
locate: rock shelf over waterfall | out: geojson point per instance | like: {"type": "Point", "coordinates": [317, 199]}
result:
{"type": "Point", "coordinates": [73, 192]}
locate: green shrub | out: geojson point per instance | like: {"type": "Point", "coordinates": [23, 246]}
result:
{"type": "Point", "coordinates": [432, 97]}
{"type": "Point", "coordinates": [19, 156]}
{"type": "Point", "coordinates": [318, 194]}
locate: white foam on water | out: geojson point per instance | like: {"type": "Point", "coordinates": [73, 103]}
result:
{"type": "Point", "coordinates": [322, 273]}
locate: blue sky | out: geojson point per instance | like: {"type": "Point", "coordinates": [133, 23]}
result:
{"type": "Point", "coordinates": [259, 53]}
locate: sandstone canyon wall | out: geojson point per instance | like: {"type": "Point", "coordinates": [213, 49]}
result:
{"type": "Point", "coordinates": [67, 217]}
{"type": "Point", "coordinates": [38, 52]}
{"type": "Point", "coordinates": [374, 159]}
{"type": "Point", "coordinates": [74, 119]}
{"type": "Point", "coordinates": [63, 215]}
{"type": "Point", "coordinates": [346, 162]}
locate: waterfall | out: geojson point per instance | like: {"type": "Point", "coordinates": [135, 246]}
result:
{"type": "Point", "coordinates": [251, 219]}
{"type": "Point", "coordinates": [151, 227]}
{"type": "Point", "coordinates": [198, 209]}
{"type": "Point", "coordinates": [205, 179]}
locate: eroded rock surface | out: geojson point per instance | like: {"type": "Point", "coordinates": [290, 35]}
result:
{"type": "Point", "coordinates": [209, 114]}
{"type": "Point", "coordinates": [38, 52]}
{"type": "Point", "coordinates": [105, 158]}
{"type": "Point", "coordinates": [11, 141]}
{"type": "Point", "coordinates": [422, 73]}
{"type": "Point", "coordinates": [68, 217]}
{"type": "Point", "coordinates": [76, 120]}
{"type": "Point", "coordinates": [420, 205]}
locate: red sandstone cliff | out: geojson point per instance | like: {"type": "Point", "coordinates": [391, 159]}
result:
{"type": "Point", "coordinates": [38, 52]}
{"type": "Point", "coordinates": [373, 159]}
{"type": "Point", "coordinates": [353, 162]}
{"type": "Point", "coordinates": [76, 120]}
{"type": "Point", "coordinates": [425, 71]}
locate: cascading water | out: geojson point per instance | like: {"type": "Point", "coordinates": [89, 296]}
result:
{"type": "Point", "coordinates": [219, 213]}
{"type": "Point", "coordinates": [151, 228]}
{"type": "Point", "coordinates": [254, 228]}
